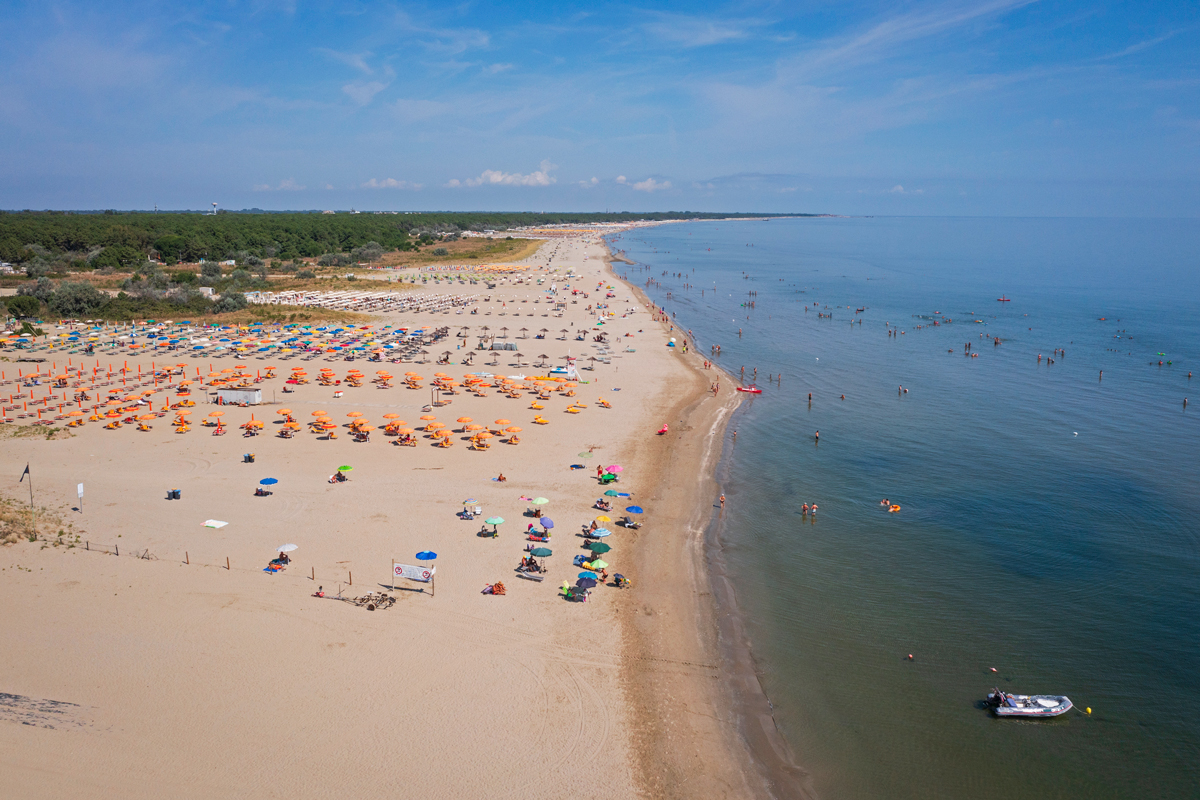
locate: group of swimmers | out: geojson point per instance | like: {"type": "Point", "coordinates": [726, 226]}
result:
{"type": "Point", "coordinates": [806, 509]}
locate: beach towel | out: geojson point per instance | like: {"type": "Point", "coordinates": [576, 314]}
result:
{"type": "Point", "coordinates": [214, 523]}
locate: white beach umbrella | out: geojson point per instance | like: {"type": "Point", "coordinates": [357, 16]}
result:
{"type": "Point", "coordinates": [287, 548]}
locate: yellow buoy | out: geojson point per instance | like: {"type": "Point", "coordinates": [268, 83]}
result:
{"type": "Point", "coordinates": [1089, 709]}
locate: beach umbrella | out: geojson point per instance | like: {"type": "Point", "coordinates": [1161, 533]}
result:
{"type": "Point", "coordinates": [143, 417]}
{"type": "Point", "coordinates": [319, 413]}
{"type": "Point", "coordinates": [470, 501]}
{"type": "Point", "coordinates": [599, 547]}
{"type": "Point", "coordinates": [494, 520]}
{"type": "Point", "coordinates": [354, 414]}
{"type": "Point", "coordinates": [586, 583]}
{"type": "Point", "coordinates": [503, 422]}
{"type": "Point", "coordinates": [615, 468]}
{"type": "Point", "coordinates": [391, 416]}
{"type": "Point", "coordinates": [426, 555]}
{"type": "Point", "coordinates": [587, 576]}
{"type": "Point", "coordinates": [287, 548]}
{"type": "Point", "coordinates": [539, 501]}
{"type": "Point", "coordinates": [607, 475]}
{"type": "Point", "coordinates": [634, 509]}
{"type": "Point", "coordinates": [283, 411]}
{"type": "Point", "coordinates": [599, 564]}
{"type": "Point", "coordinates": [547, 523]}
{"type": "Point", "coordinates": [603, 518]}
{"type": "Point", "coordinates": [541, 552]}
{"type": "Point", "coordinates": [611, 493]}
{"type": "Point", "coordinates": [344, 468]}
{"type": "Point", "coordinates": [428, 417]}
{"type": "Point", "coordinates": [599, 533]}
{"type": "Point", "coordinates": [269, 481]}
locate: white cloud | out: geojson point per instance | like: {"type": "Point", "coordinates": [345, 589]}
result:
{"type": "Point", "coordinates": [356, 60]}
{"type": "Point", "coordinates": [286, 185]}
{"type": "Point", "coordinates": [363, 92]}
{"type": "Point", "coordinates": [329, 186]}
{"type": "Point", "coordinates": [495, 69]}
{"type": "Point", "coordinates": [691, 31]}
{"type": "Point", "coordinates": [898, 189]}
{"type": "Point", "coordinates": [389, 183]}
{"type": "Point", "coordinates": [589, 184]}
{"type": "Point", "coordinates": [493, 177]}
{"type": "Point", "coordinates": [651, 185]}
{"type": "Point", "coordinates": [621, 179]}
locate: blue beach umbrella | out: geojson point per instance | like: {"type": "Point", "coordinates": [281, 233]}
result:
{"type": "Point", "coordinates": [426, 555]}
{"type": "Point", "coordinates": [634, 509]}
{"type": "Point", "coordinates": [586, 583]}
{"type": "Point", "coordinates": [587, 575]}
{"type": "Point", "coordinates": [547, 523]}
{"type": "Point", "coordinates": [269, 481]}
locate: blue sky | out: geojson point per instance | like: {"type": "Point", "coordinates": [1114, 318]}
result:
{"type": "Point", "coordinates": [977, 108]}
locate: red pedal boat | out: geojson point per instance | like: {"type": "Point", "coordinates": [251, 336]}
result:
{"type": "Point", "coordinates": [752, 389]}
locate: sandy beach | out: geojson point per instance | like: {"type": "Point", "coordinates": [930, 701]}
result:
{"type": "Point", "coordinates": [171, 675]}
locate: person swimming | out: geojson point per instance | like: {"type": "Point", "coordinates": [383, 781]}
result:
{"type": "Point", "coordinates": [884, 502]}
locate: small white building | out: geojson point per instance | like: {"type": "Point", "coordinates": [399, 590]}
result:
{"type": "Point", "coordinates": [251, 397]}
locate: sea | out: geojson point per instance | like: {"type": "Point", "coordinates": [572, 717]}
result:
{"type": "Point", "coordinates": [1046, 469]}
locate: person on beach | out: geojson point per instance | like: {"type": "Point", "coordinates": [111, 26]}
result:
{"type": "Point", "coordinates": [501, 479]}
{"type": "Point", "coordinates": [722, 501]}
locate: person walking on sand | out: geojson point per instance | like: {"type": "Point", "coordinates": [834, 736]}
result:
{"type": "Point", "coordinates": [722, 502]}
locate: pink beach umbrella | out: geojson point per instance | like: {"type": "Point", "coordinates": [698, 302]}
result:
{"type": "Point", "coordinates": [614, 468]}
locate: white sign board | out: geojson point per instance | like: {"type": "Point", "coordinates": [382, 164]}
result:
{"type": "Point", "coordinates": [79, 490]}
{"type": "Point", "coordinates": [424, 574]}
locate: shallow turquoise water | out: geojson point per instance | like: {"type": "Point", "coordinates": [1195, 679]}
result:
{"type": "Point", "coordinates": [1049, 518]}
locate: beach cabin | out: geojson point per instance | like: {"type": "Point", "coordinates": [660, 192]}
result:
{"type": "Point", "coordinates": [250, 397]}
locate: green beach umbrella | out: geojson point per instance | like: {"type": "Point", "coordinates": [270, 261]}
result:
{"type": "Point", "coordinates": [539, 501]}
{"type": "Point", "coordinates": [608, 475]}
{"type": "Point", "coordinates": [611, 493]}
{"type": "Point", "coordinates": [344, 468]}
{"type": "Point", "coordinates": [599, 547]}
{"type": "Point", "coordinates": [599, 564]}
{"type": "Point", "coordinates": [585, 455]}
{"type": "Point", "coordinates": [541, 552]}
{"type": "Point", "coordinates": [494, 520]}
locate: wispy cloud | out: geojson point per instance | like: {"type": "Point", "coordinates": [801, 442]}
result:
{"type": "Point", "coordinates": [685, 30]}
{"type": "Point", "coordinates": [389, 183]}
{"type": "Point", "coordinates": [493, 177]}
{"type": "Point", "coordinates": [356, 60]}
{"type": "Point", "coordinates": [1138, 47]}
{"type": "Point", "coordinates": [363, 92]}
{"type": "Point", "coordinates": [286, 185]}
{"type": "Point", "coordinates": [443, 40]}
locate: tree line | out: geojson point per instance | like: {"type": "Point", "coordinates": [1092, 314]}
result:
{"type": "Point", "coordinates": [115, 240]}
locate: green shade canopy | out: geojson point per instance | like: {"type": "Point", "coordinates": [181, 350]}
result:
{"type": "Point", "coordinates": [344, 468]}
{"type": "Point", "coordinates": [611, 493]}
{"type": "Point", "coordinates": [494, 520]}
{"type": "Point", "coordinates": [541, 552]}
{"type": "Point", "coordinates": [599, 564]}
{"type": "Point", "coordinates": [599, 547]}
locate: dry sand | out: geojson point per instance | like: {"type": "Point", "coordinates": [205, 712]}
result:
{"type": "Point", "coordinates": [159, 678]}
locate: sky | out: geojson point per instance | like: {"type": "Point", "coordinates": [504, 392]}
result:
{"type": "Point", "coordinates": [999, 107]}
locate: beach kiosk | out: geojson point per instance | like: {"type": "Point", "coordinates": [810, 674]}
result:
{"type": "Point", "coordinates": [250, 397]}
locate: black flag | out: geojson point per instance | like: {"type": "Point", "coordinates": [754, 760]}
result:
{"type": "Point", "coordinates": [23, 474]}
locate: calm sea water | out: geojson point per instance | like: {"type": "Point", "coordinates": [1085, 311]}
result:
{"type": "Point", "coordinates": [1050, 522]}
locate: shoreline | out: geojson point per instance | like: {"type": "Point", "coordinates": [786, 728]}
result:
{"type": "Point", "coordinates": [755, 746]}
